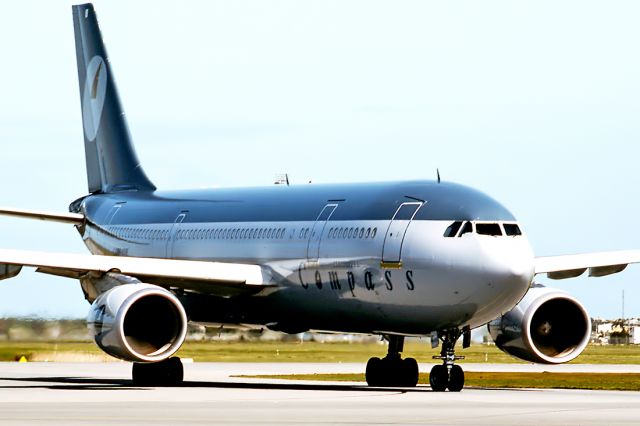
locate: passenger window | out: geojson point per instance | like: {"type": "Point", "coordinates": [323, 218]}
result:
{"type": "Point", "coordinates": [368, 233]}
{"type": "Point", "coordinates": [453, 229]}
{"type": "Point", "coordinates": [374, 232]}
{"type": "Point", "coordinates": [467, 228]}
{"type": "Point", "coordinates": [512, 230]}
{"type": "Point", "coordinates": [361, 234]}
{"type": "Point", "coordinates": [492, 229]}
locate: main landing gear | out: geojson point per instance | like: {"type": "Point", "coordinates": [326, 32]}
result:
{"type": "Point", "coordinates": [392, 370]}
{"type": "Point", "coordinates": [448, 375]}
{"type": "Point", "coordinates": [164, 373]}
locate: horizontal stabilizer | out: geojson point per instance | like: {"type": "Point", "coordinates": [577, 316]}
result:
{"type": "Point", "coordinates": [598, 264]}
{"type": "Point", "coordinates": [72, 218]}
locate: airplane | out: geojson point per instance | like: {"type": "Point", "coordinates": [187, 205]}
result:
{"type": "Point", "coordinates": [426, 259]}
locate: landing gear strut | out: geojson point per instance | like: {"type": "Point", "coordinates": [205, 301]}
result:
{"type": "Point", "coordinates": [164, 373]}
{"type": "Point", "coordinates": [392, 370]}
{"type": "Point", "coordinates": [448, 375]}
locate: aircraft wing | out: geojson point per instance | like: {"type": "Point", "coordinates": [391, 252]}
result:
{"type": "Point", "coordinates": [72, 218]}
{"type": "Point", "coordinates": [224, 279]}
{"type": "Point", "coordinates": [598, 264]}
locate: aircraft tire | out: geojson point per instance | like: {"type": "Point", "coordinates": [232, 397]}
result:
{"type": "Point", "coordinates": [456, 379]}
{"type": "Point", "coordinates": [164, 373]}
{"type": "Point", "coordinates": [439, 378]}
{"type": "Point", "coordinates": [410, 372]}
{"type": "Point", "coordinates": [375, 372]}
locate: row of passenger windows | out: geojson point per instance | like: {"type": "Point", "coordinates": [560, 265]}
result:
{"type": "Point", "coordinates": [236, 233]}
{"type": "Point", "coordinates": [231, 234]}
{"type": "Point", "coordinates": [140, 234]}
{"type": "Point", "coordinates": [200, 234]}
{"type": "Point", "coordinates": [345, 233]}
{"type": "Point", "coordinates": [460, 228]}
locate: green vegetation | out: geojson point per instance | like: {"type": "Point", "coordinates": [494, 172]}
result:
{"type": "Point", "coordinates": [589, 381]}
{"type": "Point", "coordinates": [361, 352]}
{"type": "Point", "coordinates": [216, 351]}
{"type": "Point", "coordinates": [42, 351]}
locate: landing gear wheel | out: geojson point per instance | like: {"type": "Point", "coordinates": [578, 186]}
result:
{"type": "Point", "coordinates": [164, 373]}
{"type": "Point", "coordinates": [374, 374]}
{"type": "Point", "coordinates": [449, 375]}
{"type": "Point", "coordinates": [392, 370]}
{"type": "Point", "coordinates": [456, 379]}
{"type": "Point", "coordinates": [439, 378]}
{"type": "Point", "coordinates": [410, 372]}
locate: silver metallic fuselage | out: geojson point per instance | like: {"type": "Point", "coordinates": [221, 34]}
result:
{"type": "Point", "coordinates": [369, 275]}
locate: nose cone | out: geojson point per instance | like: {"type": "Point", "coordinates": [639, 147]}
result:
{"type": "Point", "coordinates": [509, 267]}
{"type": "Point", "coordinates": [509, 260]}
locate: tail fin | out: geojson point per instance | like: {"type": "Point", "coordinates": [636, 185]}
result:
{"type": "Point", "coordinates": [112, 163]}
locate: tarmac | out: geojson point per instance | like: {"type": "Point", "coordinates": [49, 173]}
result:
{"type": "Point", "coordinates": [101, 393]}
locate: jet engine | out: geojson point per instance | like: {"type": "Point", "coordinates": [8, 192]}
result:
{"type": "Point", "coordinates": [138, 322]}
{"type": "Point", "coordinates": [548, 326]}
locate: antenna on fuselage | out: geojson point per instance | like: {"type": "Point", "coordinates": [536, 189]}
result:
{"type": "Point", "coordinates": [438, 173]}
{"type": "Point", "coordinates": [282, 179]}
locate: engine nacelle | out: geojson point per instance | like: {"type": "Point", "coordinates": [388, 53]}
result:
{"type": "Point", "coordinates": [138, 322]}
{"type": "Point", "coordinates": [548, 326]}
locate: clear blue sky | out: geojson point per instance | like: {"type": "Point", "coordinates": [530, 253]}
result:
{"type": "Point", "coordinates": [534, 103]}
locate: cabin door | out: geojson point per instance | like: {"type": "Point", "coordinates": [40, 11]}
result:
{"type": "Point", "coordinates": [173, 232]}
{"type": "Point", "coordinates": [315, 237]}
{"type": "Point", "coordinates": [392, 249]}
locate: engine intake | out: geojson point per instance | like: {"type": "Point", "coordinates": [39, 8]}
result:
{"type": "Point", "coordinates": [548, 326]}
{"type": "Point", "coordinates": [138, 322]}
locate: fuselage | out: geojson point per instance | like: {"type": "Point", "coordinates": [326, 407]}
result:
{"type": "Point", "coordinates": [388, 258]}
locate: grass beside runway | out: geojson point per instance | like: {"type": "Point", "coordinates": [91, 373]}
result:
{"type": "Point", "coordinates": [361, 352]}
{"type": "Point", "coordinates": [585, 381]}
{"type": "Point", "coordinates": [215, 351]}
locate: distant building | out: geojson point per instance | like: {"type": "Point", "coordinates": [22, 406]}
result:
{"type": "Point", "coordinates": [634, 335]}
{"type": "Point", "coordinates": [615, 332]}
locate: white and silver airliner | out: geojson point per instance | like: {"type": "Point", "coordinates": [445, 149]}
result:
{"type": "Point", "coordinates": [398, 259]}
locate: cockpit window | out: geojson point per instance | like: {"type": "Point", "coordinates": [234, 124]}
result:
{"type": "Point", "coordinates": [492, 229]}
{"type": "Point", "coordinates": [467, 228]}
{"type": "Point", "coordinates": [453, 229]}
{"type": "Point", "coordinates": [512, 230]}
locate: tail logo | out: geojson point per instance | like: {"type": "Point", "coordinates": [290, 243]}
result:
{"type": "Point", "coordinates": [95, 89]}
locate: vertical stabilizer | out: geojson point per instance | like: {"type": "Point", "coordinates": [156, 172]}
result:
{"type": "Point", "coordinates": [112, 163]}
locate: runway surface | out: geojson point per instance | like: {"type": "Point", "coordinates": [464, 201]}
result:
{"type": "Point", "coordinates": [74, 394]}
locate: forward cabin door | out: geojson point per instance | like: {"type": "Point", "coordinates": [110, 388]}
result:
{"type": "Point", "coordinates": [392, 249]}
{"type": "Point", "coordinates": [315, 237]}
{"type": "Point", "coordinates": [172, 233]}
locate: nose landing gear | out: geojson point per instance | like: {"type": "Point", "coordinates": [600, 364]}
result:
{"type": "Point", "coordinates": [392, 370]}
{"type": "Point", "coordinates": [448, 375]}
